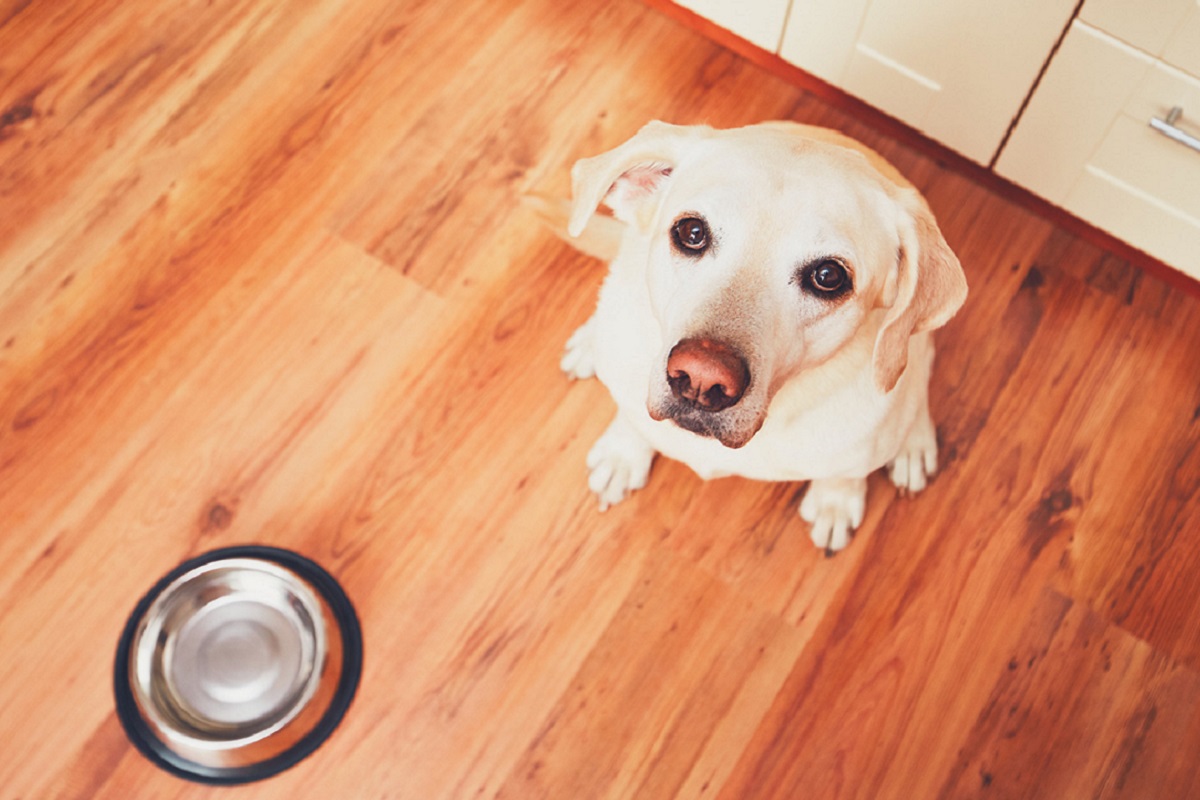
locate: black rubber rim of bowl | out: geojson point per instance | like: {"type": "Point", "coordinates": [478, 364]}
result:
{"type": "Point", "coordinates": [142, 736]}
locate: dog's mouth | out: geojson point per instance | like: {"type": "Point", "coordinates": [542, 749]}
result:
{"type": "Point", "coordinates": [730, 429]}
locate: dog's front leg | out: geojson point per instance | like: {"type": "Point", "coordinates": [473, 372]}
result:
{"type": "Point", "coordinates": [835, 507]}
{"type": "Point", "coordinates": [618, 463]}
{"type": "Point", "coordinates": [579, 358]}
{"type": "Point", "coordinates": [916, 462]}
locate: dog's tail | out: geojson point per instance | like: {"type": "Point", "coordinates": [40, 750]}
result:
{"type": "Point", "coordinates": [599, 239]}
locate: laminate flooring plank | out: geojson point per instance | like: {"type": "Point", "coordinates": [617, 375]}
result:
{"type": "Point", "coordinates": [240, 210]}
{"type": "Point", "coordinates": [1081, 709]}
{"type": "Point", "coordinates": [656, 720]}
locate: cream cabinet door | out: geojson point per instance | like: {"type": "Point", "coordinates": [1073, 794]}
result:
{"type": "Point", "coordinates": [1086, 144]}
{"type": "Point", "coordinates": [757, 21]}
{"type": "Point", "coordinates": [957, 70]}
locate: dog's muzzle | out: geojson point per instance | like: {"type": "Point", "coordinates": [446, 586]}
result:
{"type": "Point", "coordinates": [707, 377]}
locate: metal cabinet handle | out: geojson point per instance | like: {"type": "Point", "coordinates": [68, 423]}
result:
{"type": "Point", "coordinates": [1167, 128]}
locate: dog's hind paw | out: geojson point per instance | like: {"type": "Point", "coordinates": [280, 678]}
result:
{"type": "Point", "coordinates": [917, 460]}
{"type": "Point", "coordinates": [579, 360]}
{"type": "Point", "coordinates": [835, 507]}
{"type": "Point", "coordinates": [618, 463]}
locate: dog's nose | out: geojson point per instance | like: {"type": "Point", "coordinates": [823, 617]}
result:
{"type": "Point", "coordinates": [708, 374]}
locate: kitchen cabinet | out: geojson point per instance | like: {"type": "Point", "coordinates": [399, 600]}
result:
{"type": "Point", "coordinates": [1086, 143]}
{"type": "Point", "coordinates": [956, 71]}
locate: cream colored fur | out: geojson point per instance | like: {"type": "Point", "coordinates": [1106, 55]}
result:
{"type": "Point", "coordinates": [839, 388]}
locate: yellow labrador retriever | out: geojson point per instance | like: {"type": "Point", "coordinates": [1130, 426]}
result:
{"type": "Point", "coordinates": [766, 314]}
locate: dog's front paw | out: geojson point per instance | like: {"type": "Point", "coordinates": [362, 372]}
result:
{"type": "Point", "coordinates": [579, 359]}
{"type": "Point", "coordinates": [835, 507]}
{"type": "Point", "coordinates": [618, 463]}
{"type": "Point", "coordinates": [917, 460]}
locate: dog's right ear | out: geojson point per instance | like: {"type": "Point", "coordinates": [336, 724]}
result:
{"type": "Point", "coordinates": [625, 177]}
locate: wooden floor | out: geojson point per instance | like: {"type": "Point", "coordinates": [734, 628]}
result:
{"type": "Point", "coordinates": [264, 277]}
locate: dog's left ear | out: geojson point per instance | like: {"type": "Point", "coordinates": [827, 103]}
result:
{"type": "Point", "coordinates": [928, 288]}
{"type": "Point", "coordinates": [626, 177]}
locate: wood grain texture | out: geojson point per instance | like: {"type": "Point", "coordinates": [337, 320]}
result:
{"type": "Point", "coordinates": [265, 277]}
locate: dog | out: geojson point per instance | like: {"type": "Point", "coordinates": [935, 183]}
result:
{"type": "Point", "coordinates": [767, 313]}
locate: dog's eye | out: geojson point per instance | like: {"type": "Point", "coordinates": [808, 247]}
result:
{"type": "Point", "coordinates": [690, 235]}
{"type": "Point", "coordinates": [828, 278]}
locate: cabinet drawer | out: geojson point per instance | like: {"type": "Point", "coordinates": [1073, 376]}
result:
{"type": "Point", "coordinates": [1085, 144]}
{"type": "Point", "coordinates": [1168, 29]}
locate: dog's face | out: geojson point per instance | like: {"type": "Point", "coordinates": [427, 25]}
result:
{"type": "Point", "coordinates": [765, 252]}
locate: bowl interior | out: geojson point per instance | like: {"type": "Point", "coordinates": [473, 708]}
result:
{"type": "Point", "coordinates": [229, 653]}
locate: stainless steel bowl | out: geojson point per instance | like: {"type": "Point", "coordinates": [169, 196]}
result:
{"type": "Point", "coordinates": [237, 664]}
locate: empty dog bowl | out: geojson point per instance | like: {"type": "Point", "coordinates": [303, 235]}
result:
{"type": "Point", "coordinates": [237, 664]}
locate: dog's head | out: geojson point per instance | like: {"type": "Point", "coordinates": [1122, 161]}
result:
{"type": "Point", "coordinates": [766, 251]}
